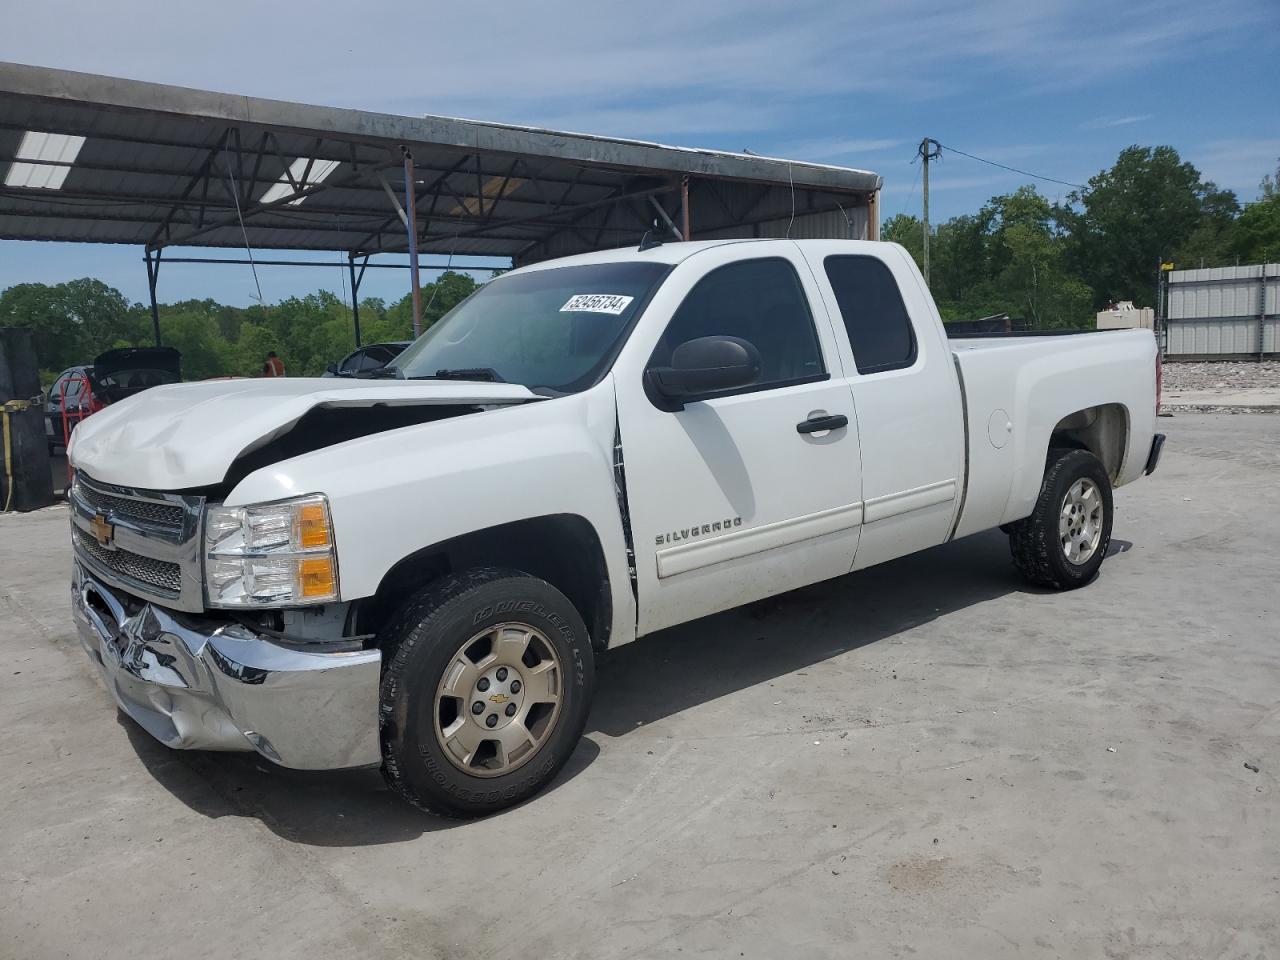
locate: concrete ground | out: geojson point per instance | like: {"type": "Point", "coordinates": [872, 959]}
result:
{"type": "Point", "coordinates": [925, 759]}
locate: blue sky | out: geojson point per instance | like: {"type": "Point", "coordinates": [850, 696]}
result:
{"type": "Point", "coordinates": [1057, 88]}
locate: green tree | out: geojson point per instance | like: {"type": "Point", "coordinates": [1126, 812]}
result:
{"type": "Point", "coordinates": [438, 298]}
{"type": "Point", "coordinates": [1148, 206]}
{"type": "Point", "coordinates": [960, 268]}
{"type": "Point", "coordinates": [205, 352]}
{"type": "Point", "coordinates": [1027, 256]}
{"type": "Point", "coordinates": [55, 335]}
{"type": "Point", "coordinates": [1270, 185]}
{"type": "Point", "coordinates": [71, 322]}
{"type": "Point", "coordinates": [102, 313]}
{"type": "Point", "coordinates": [907, 231]}
{"type": "Point", "coordinates": [1255, 236]}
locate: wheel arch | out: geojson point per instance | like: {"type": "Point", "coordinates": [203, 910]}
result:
{"type": "Point", "coordinates": [563, 549]}
{"type": "Point", "coordinates": [1102, 429]}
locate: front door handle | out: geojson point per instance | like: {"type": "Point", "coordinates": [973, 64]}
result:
{"type": "Point", "coordinates": [817, 424]}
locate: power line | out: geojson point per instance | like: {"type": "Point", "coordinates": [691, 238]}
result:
{"type": "Point", "coordinates": [1024, 173]}
{"type": "Point", "coordinates": [912, 192]}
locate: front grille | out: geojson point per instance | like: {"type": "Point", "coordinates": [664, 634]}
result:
{"type": "Point", "coordinates": [158, 574]}
{"type": "Point", "coordinates": [168, 516]}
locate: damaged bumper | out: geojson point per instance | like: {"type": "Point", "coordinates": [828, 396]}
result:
{"type": "Point", "coordinates": [197, 684]}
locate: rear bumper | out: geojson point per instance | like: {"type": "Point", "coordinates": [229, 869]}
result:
{"type": "Point", "coordinates": [197, 684]}
{"type": "Point", "coordinates": [1153, 458]}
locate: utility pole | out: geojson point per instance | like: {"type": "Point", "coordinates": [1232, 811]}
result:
{"type": "Point", "coordinates": [929, 150]}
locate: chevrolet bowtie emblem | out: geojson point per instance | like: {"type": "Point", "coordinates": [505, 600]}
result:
{"type": "Point", "coordinates": [498, 698]}
{"type": "Point", "coordinates": [102, 531]}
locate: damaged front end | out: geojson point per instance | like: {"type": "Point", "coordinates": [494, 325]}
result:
{"type": "Point", "coordinates": [204, 683]}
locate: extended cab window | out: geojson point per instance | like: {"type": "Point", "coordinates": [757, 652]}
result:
{"type": "Point", "coordinates": [874, 315]}
{"type": "Point", "coordinates": [760, 301]}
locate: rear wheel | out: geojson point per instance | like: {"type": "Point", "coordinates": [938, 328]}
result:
{"type": "Point", "coordinates": [486, 691]}
{"type": "Point", "coordinates": [1064, 541]}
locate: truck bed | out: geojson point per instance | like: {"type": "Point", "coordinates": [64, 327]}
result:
{"type": "Point", "coordinates": [1017, 389]}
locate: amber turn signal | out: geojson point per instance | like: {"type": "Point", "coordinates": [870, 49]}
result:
{"type": "Point", "coordinates": [313, 526]}
{"type": "Point", "coordinates": [316, 576]}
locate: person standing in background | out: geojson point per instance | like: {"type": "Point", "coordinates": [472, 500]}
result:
{"type": "Point", "coordinates": [274, 367]}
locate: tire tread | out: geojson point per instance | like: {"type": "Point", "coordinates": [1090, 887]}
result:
{"type": "Point", "coordinates": [1032, 539]}
{"type": "Point", "coordinates": [405, 630]}
{"type": "Point", "coordinates": [410, 626]}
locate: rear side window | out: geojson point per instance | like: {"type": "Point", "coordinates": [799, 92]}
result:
{"type": "Point", "coordinates": [760, 301]}
{"type": "Point", "coordinates": [874, 315]}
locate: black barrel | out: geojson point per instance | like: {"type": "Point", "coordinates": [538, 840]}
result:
{"type": "Point", "coordinates": [28, 450]}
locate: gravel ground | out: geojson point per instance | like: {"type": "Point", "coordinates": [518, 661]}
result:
{"type": "Point", "coordinates": [1224, 386]}
{"type": "Point", "coordinates": [1224, 375]}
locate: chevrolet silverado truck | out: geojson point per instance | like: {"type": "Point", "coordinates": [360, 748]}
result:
{"type": "Point", "coordinates": [417, 571]}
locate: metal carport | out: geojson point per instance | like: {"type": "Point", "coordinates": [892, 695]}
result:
{"type": "Point", "coordinates": [97, 159]}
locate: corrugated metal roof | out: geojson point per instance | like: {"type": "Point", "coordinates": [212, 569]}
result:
{"type": "Point", "coordinates": [169, 166]}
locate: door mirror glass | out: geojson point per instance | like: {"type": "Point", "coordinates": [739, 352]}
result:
{"type": "Point", "coordinates": [704, 366]}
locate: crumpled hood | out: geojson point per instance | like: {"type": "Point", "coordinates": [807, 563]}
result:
{"type": "Point", "coordinates": [188, 434]}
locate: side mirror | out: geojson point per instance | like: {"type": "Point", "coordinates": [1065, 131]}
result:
{"type": "Point", "coordinates": [705, 366]}
{"type": "Point", "coordinates": [332, 369]}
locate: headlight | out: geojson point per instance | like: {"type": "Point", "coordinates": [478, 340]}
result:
{"type": "Point", "coordinates": [270, 554]}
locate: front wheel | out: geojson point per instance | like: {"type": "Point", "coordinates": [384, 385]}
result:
{"type": "Point", "coordinates": [1064, 541]}
{"type": "Point", "coordinates": [486, 691]}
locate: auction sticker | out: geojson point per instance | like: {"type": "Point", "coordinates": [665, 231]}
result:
{"type": "Point", "coordinates": [596, 303]}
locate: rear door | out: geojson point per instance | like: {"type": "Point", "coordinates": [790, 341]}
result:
{"type": "Point", "coordinates": [905, 391]}
{"type": "Point", "coordinates": [729, 501]}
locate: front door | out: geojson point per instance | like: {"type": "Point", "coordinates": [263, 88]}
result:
{"type": "Point", "coordinates": [729, 500]}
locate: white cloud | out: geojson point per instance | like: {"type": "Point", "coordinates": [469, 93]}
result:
{"type": "Point", "coordinates": [624, 120]}
{"type": "Point", "coordinates": [1236, 164]}
{"type": "Point", "coordinates": [832, 148]}
{"type": "Point", "coordinates": [1103, 123]}
{"type": "Point", "coordinates": [726, 57]}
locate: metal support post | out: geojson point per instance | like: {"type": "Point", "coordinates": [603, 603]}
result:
{"type": "Point", "coordinates": [153, 275]}
{"type": "Point", "coordinates": [410, 205]}
{"type": "Point", "coordinates": [685, 229]}
{"type": "Point", "coordinates": [1262, 311]}
{"type": "Point", "coordinates": [355, 292]}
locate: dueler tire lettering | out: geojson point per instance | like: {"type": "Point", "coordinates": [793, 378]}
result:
{"type": "Point", "coordinates": [419, 642]}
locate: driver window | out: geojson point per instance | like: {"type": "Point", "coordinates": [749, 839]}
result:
{"type": "Point", "coordinates": [758, 300]}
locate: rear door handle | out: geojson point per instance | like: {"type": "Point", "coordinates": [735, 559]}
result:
{"type": "Point", "coordinates": [817, 424]}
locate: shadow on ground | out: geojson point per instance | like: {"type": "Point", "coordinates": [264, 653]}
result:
{"type": "Point", "coordinates": [636, 685]}
{"type": "Point", "coordinates": [697, 662]}
{"type": "Point", "coordinates": [324, 808]}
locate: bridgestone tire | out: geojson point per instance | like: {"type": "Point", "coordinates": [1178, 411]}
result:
{"type": "Point", "coordinates": [422, 640]}
{"type": "Point", "coordinates": [1035, 542]}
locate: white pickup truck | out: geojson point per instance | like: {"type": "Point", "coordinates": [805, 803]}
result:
{"type": "Point", "coordinates": [417, 571]}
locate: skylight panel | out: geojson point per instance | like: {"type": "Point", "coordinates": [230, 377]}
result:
{"type": "Point", "coordinates": [284, 187]}
{"type": "Point", "coordinates": [56, 151]}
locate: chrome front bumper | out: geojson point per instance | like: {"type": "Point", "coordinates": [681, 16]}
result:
{"type": "Point", "coordinates": [197, 684]}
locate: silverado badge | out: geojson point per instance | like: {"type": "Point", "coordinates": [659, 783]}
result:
{"type": "Point", "coordinates": [102, 531]}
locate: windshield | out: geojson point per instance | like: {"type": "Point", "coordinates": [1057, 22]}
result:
{"type": "Point", "coordinates": [552, 330]}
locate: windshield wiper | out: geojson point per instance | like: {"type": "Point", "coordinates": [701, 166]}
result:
{"type": "Point", "coordinates": [465, 373]}
{"type": "Point", "coordinates": [384, 373]}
